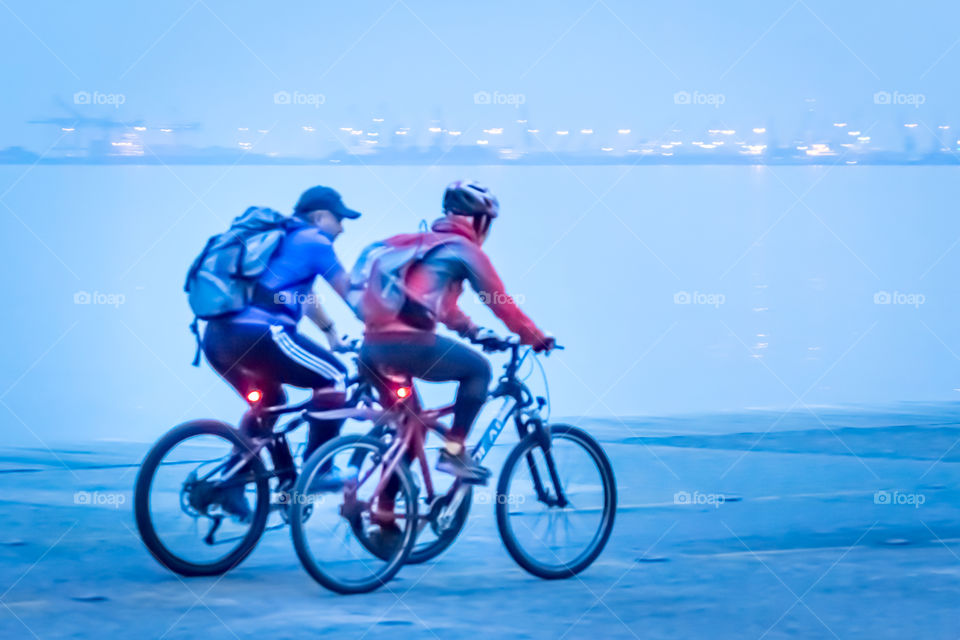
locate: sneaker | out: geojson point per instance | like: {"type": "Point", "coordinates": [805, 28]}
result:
{"type": "Point", "coordinates": [462, 466]}
{"type": "Point", "coordinates": [384, 539]}
{"type": "Point", "coordinates": [332, 480]}
{"type": "Point", "coordinates": [233, 500]}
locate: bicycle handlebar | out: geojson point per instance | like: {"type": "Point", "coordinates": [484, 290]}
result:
{"type": "Point", "coordinates": [492, 343]}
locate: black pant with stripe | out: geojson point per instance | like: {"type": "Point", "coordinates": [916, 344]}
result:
{"type": "Point", "coordinates": [265, 357]}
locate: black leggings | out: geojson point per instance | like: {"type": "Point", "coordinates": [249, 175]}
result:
{"type": "Point", "coordinates": [435, 359]}
{"type": "Point", "coordinates": [265, 357]}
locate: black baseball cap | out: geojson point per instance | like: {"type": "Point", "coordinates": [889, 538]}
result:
{"type": "Point", "coordinates": [320, 197]}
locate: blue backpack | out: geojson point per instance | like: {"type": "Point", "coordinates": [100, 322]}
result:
{"type": "Point", "coordinates": [222, 278]}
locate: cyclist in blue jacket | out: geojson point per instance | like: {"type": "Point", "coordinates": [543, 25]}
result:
{"type": "Point", "coordinates": [260, 349]}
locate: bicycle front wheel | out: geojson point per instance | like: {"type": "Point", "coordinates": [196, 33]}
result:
{"type": "Point", "coordinates": [556, 505]}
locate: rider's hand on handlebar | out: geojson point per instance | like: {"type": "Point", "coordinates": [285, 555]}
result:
{"type": "Point", "coordinates": [487, 339]}
{"type": "Point", "coordinates": [547, 343]}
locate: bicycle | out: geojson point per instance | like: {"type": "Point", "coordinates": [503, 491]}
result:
{"type": "Point", "coordinates": [182, 521]}
{"type": "Point", "coordinates": [401, 431]}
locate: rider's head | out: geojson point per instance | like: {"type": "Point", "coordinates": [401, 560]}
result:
{"type": "Point", "coordinates": [323, 207]}
{"type": "Point", "coordinates": [472, 202]}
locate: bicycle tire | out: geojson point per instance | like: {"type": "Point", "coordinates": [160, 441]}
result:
{"type": "Point", "coordinates": [141, 500]}
{"type": "Point", "coordinates": [423, 553]}
{"type": "Point", "coordinates": [297, 520]}
{"type": "Point", "coordinates": [586, 558]}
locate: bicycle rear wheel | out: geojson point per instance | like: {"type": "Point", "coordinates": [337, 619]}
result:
{"type": "Point", "coordinates": [178, 496]}
{"type": "Point", "coordinates": [434, 533]}
{"type": "Point", "coordinates": [339, 532]}
{"type": "Point", "coordinates": [547, 537]}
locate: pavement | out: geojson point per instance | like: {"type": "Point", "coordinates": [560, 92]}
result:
{"type": "Point", "coordinates": [822, 523]}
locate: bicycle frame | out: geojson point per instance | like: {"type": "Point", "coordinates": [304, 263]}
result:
{"type": "Point", "coordinates": [516, 398]}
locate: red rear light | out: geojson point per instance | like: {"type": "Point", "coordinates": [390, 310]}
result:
{"type": "Point", "coordinates": [403, 392]}
{"type": "Point", "coordinates": [254, 396]}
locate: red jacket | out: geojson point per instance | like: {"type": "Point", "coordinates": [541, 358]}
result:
{"type": "Point", "coordinates": [452, 254]}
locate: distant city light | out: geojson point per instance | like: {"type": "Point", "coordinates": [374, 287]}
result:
{"type": "Point", "coordinates": [586, 131]}
{"type": "Point", "coordinates": [310, 129]}
{"type": "Point", "coordinates": [139, 128]}
{"type": "Point", "coordinates": [533, 130]}
{"type": "Point", "coordinates": [494, 132]}
{"type": "Point", "coordinates": [759, 130]}
{"type": "Point", "coordinates": [373, 134]}
{"type": "Point", "coordinates": [346, 128]}
{"type": "Point", "coordinates": [864, 138]}
{"type": "Point", "coordinates": [67, 129]}
{"type": "Point", "coordinates": [521, 122]}
{"type": "Point", "coordinates": [243, 129]}
{"type": "Point", "coordinates": [483, 142]}
{"type": "Point", "coordinates": [353, 132]}
{"type": "Point", "coordinates": [839, 124]}
{"type": "Point", "coordinates": [912, 125]}
{"type": "Point", "coordinates": [434, 129]}
{"type": "Point", "coordinates": [166, 130]}
{"type": "Point", "coordinates": [853, 133]}
{"type": "Point", "coordinates": [623, 132]}
{"type": "Point", "coordinates": [455, 133]}
{"type": "Point", "coordinates": [606, 148]}
{"type": "Point", "coordinates": [378, 119]}
{"type": "Point", "coordinates": [400, 133]}
{"type": "Point", "coordinates": [944, 126]}
{"type": "Point", "coordinates": [562, 133]}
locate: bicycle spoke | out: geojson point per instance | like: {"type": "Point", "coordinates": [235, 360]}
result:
{"type": "Point", "coordinates": [544, 537]}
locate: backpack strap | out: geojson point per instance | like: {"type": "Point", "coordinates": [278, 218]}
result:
{"type": "Point", "coordinates": [195, 329]}
{"type": "Point", "coordinates": [199, 262]}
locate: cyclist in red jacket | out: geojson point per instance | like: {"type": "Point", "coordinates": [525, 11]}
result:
{"type": "Point", "coordinates": [401, 336]}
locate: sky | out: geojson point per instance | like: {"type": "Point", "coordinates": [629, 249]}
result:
{"type": "Point", "coordinates": [789, 65]}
